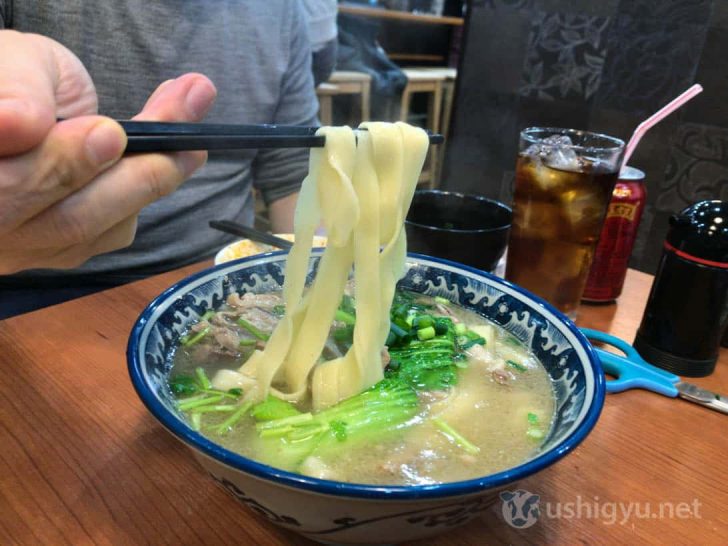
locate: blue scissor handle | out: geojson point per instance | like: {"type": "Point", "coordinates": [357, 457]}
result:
{"type": "Point", "coordinates": [631, 371]}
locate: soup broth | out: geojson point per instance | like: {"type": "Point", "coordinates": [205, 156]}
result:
{"type": "Point", "coordinates": [488, 409]}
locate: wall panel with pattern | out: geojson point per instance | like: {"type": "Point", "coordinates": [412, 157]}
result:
{"type": "Point", "coordinates": [602, 66]}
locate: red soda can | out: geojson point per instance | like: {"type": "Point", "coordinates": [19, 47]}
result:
{"type": "Point", "coordinates": [609, 266]}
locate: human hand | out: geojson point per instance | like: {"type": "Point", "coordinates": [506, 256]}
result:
{"type": "Point", "coordinates": [65, 192]}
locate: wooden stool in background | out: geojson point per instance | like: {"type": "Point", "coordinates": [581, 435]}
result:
{"type": "Point", "coordinates": [325, 92]}
{"type": "Point", "coordinates": [344, 82]}
{"type": "Point", "coordinates": [448, 98]}
{"type": "Point", "coordinates": [426, 81]}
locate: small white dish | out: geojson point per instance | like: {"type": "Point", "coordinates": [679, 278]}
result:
{"type": "Point", "coordinates": [245, 247]}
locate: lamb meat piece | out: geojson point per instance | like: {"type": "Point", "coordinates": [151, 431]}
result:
{"type": "Point", "coordinates": [445, 310]}
{"type": "Point", "coordinates": [481, 356]}
{"type": "Point", "coordinates": [349, 288]}
{"type": "Point", "coordinates": [331, 349]}
{"type": "Point", "coordinates": [248, 300]}
{"type": "Point", "coordinates": [222, 334]}
{"type": "Point", "coordinates": [199, 326]}
{"type": "Point", "coordinates": [502, 377]}
{"type": "Point", "coordinates": [202, 352]}
{"type": "Point", "coordinates": [260, 318]}
{"type": "Point", "coordinates": [222, 351]}
{"type": "Point", "coordinates": [386, 358]}
{"type": "Point", "coordinates": [226, 338]}
{"type": "Point", "coordinates": [225, 319]}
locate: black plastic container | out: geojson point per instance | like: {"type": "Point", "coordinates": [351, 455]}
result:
{"type": "Point", "coordinates": [687, 311]}
{"type": "Point", "coordinates": [469, 229]}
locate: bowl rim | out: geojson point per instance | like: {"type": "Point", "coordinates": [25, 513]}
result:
{"type": "Point", "coordinates": [202, 444]}
{"type": "Point", "coordinates": [499, 204]}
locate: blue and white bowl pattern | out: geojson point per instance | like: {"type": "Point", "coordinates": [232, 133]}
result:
{"type": "Point", "coordinates": [354, 513]}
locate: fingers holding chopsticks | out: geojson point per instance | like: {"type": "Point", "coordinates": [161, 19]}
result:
{"type": "Point", "coordinates": [118, 236]}
{"type": "Point", "coordinates": [137, 180]}
{"type": "Point", "coordinates": [68, 158]}
{"type": "Point", "coordinates": [40, 80]}
{"type": "Point", "coordinates": [71, 196]}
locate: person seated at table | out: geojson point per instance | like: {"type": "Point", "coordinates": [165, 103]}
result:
{"type": "Point", "coordinates": [322, 34]}
{"type": "Point", "coordinates": [69, 201]}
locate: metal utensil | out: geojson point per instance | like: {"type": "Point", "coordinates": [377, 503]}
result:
{"type": "Point", "coordinates": [250, 233]}
{"type": "Point", "coordinates": [633, 372]}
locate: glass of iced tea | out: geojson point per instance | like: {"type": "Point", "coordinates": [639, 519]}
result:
{"type": "Point", "coordinates": [564, 181]}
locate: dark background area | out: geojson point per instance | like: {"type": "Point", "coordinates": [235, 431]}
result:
{"type": "Point", "coordinates": [604, 66]}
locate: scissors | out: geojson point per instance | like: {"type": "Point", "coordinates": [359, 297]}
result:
{"type": "Point", "coordinates": [633, 372]}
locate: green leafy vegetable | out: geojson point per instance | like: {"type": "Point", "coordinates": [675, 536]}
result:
{"type": "Point", "coordinates": [346, 318]}
{"type": "Point", "coordinates": [424, 367]}
{"type": "Point", "coordinates": [347, 304]}
{"type": "Point", "coordinates": [338, 428]}
{"type": "Point", "coordinates": [273, 408]}
{"type": "Point", "coordinates": [423, 321]}
{"type": "Point", "coordinates": [344, 334]}
{"type": "Point", "coordinates": [224, 427]}
{"type": "Point", "coordinates": [441, 325]}
{"type": "Point", "coordinates": [535, 430]}
{"type": "Point", "coordinates": [190, 340]}
{"type": "Point", "coordinates": [467, 343]}
{"type": "Point", "coordinates": [253, 330]}
{"type": "Point", "coordinates": [423, 358]}
{"type": "Point", "coordinates": [221, 393]}
{"type": "Point", "coordinates": [368, 416]}
{"type": "Point", "coordinates": [516, 366]}
{"type": "Point", "coordinates": [424, 334]}
{"type": "Point", "coordinates": [202, 378]}
{"type": "Point", "coordinates": [215, 408]}
{"type": "Point", "coordinates": [454, 436]}
{"type": "Point", "coordinates": [183, 385]}
{"type": "Point", "coordinates": [187, 405]}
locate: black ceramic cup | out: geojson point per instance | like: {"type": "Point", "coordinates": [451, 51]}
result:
{"type": "Point", "coordinates": [469, 229]}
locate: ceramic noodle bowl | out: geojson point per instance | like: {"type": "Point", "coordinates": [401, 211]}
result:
{"type": "Point", "coordinates": [338, 512]}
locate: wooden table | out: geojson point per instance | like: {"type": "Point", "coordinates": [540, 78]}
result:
{"type": "Point", "coordinates": [82, 462]}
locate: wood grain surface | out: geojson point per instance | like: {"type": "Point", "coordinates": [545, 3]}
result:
{"type": "Point", "coordinates": [82, 462]}
{"type": "Point", "coordinates": [397, 15]}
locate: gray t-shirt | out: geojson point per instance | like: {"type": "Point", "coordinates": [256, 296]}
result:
{"type": "Point", "coordinates": [259, 57]}
{"type": "Point", "coordinates": [321, 22]}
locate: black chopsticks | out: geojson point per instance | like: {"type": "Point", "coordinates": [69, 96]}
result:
{"type": "Point", "coordinates": [153, 136]}
{"type": "Point", "coordinates": [250, 233]}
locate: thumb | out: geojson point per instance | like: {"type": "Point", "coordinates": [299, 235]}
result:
{"type": "Point", "coordinates": [39, 80]}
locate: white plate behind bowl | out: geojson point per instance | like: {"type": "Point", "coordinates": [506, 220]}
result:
{"type": "Point", "coordinates": [245, 248]}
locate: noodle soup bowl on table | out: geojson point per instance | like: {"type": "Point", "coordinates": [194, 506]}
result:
{"type": "Point", "coordinates": [369, 510]}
